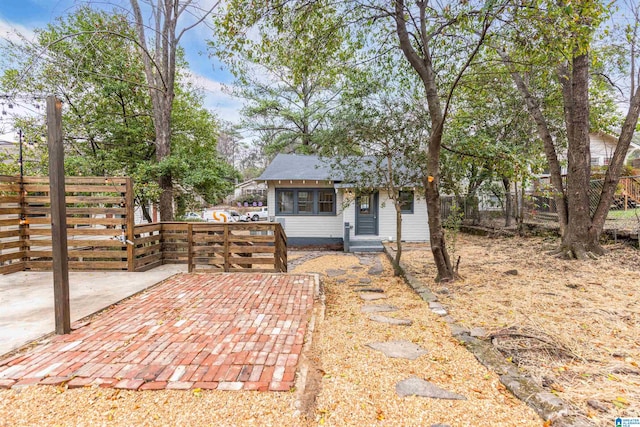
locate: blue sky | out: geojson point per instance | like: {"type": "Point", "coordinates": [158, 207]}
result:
{"type": "Point", "coordinates": [26, 15]}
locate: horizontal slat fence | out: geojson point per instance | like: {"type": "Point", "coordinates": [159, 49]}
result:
{"type": "Point", "coordinates": [229, 247]}
{"type": "Point", "coordinates": [236, 247]}
{"type": "Point", "coordinates": [98, 210]}
{"type": "Point", "coordinates": [101, 234]}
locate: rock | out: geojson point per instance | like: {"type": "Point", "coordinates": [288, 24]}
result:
{"type": "Point", "coordinates": [477, 332]}
{"type": "Point", "coordinates": [365, 280]}
{"type": "Point", "coordinates": [378, 308]}
{"type": "Point", "coordinates": [376, 270]}
{"type": "Point", "coordinates": [458, 330]}
{"type": "Point", "coordinates": [390, 320]}
{"type": "Point", "coordinates": [399, 349]}
{"type": "Point", "coordinates": [600, 406]}
{"type": "Point", "coordinates": [368, 296]}
{"type": "Point", "coordinates": [443, 291]}
{"type": "Point", "coordinates": [435, 305]}
{"type": "Point", "coordinates": [440, 311]}
{"type": "Point", "coordinates": [375, 290]}
{"type": "Point", "coordinates": [367, 260]}
{"type": "Point", "coordinates": [511, 272]}
{"type": "Point", "coordinates": [334, 273]}
{"type": "Point", "coordinates": [415, 386]}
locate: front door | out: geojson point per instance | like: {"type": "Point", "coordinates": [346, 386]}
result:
{"type": "Point", "coordinates": [367, 214]}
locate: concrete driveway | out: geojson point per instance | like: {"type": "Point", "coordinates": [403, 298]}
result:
{"type": "Point", "coordinates": [26, 299]}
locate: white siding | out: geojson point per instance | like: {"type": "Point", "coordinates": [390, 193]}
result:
{"type": "Point", "coordinates": [307, 225]}
{"type": "Point", "coordinates": [602, 148]}
{"type": "Point", "coordinates": [414, 226]}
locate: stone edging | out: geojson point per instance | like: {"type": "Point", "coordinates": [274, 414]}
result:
{"type": "Point", "coordinates": [545, 403]}
{"type": "Point", "coordinates": [302, 379]}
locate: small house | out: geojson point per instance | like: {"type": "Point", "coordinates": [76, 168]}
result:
{"type": "Point", "coordinates": [316, 206]}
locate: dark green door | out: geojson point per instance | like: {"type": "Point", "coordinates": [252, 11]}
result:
{"type": "Point", "coordinates": [367, 214]}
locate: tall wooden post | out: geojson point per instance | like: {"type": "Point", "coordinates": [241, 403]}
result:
{"type": "Point", "coordinates": [58, 216]}
{"type": "Point", "coordinates": [130, 221]}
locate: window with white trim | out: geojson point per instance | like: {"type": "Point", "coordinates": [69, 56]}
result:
{"type": "Point", "coordinates": [305, 201]}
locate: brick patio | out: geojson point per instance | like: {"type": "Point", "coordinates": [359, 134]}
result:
{"type": "Point", "coordinates": [208, 331]}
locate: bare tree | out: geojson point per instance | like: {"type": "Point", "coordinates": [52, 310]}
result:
{"type": "Point", "coordinates": [159, 38]}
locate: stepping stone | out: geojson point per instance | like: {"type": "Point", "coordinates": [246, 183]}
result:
{"type": "Point", "coordinates": [399, 349]}
{"type": "Point", "coordinates": [390, 320]}
{"type": "Point", "coordinates": [477, 332]}
{"type": "Point", "coordinates": [367, 260]}
{"type": "Point", "coordinates": [368, 296]}
{"type": "Point", "coordinates": [378, 308]}
{"type": "Point", "coordinates": [357, 267]}
{"type": "Point", "coordinates": [334, 273]}
{"type": "Point", "coordinates": [365, 280]}
{"type": "Point", "coordinates": [437, 308]}
{"type": "Point", "coordinates": [440, 425]}
{"type": "Point", "coordinates": [415, 386]}
{"type": "Point", "coordinates": [376, 270]}
{"type": "Point", "coordinates": [375, 290]}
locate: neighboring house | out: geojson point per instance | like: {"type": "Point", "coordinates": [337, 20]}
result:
{"type": "Point", "coordinates": [314, 205]}
{"type": "Point", "coordinates": [249, 188]}
{"type": "Point", "coordinates": [602, 147]}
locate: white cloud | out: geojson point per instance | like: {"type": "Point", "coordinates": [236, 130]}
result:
{"type": "Point", "coordinates": [217, 97]}
{"type": "Point", "coordinates": [12, 32]}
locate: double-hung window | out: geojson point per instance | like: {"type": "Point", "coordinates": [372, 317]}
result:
{"type": "Point", "coordinates": [307, 201]}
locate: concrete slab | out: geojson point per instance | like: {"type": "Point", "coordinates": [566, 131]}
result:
{"type": "Point", "coordinates": [26, 299]}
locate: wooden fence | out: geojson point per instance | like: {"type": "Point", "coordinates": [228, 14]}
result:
{"type": "Point", "coordinates": [102, 235]}
{"type": "Point", "coordinates": [229, 247]}
{"type": "Point", "coordinates": [98, 210]}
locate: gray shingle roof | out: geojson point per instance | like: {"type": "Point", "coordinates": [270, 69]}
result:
{"type": "Point", "coordinates": [295, 166]}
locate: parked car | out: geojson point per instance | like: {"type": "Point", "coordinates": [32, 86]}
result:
{"type": "Point", "coordinates": [218, 216]}
{"type": "Point", "coordinates": [192, 215]}
{"type": "Point", "coordinates": [262, 214]}
{"type": "Point", "coordinates": [239, 217]}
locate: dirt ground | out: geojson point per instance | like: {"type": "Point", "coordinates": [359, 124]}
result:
{"type": "Point", "coordinates": [572, 326]}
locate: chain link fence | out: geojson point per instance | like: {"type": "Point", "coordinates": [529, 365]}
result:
{"type": "Point", "coordinates": [497, 210]}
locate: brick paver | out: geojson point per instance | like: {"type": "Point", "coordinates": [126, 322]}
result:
{"type": "Point", "coordinates": [214, 331]}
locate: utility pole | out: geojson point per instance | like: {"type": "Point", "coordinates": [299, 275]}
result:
{"type": "Point", "coordinates": [58, 216]}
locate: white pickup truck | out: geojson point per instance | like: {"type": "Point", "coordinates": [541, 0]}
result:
{"type": "Point", "coordinates": [262, 214]}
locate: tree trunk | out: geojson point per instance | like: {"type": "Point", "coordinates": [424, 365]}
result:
{"type": "Point", "coordinates": [397, 271]}
{"type": "Point", "coordinates": [577, 242]}
{"type": "Point", "coordinates": [163, 151]}
{"type": "Point", "coordinates": [508, 201]}
{"type": "Point", "coordinates": [555, 171]}
{"type": "Point", "coordinates": [423, 65]}
{"type": "Point", "coordinates": [145, 211]}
